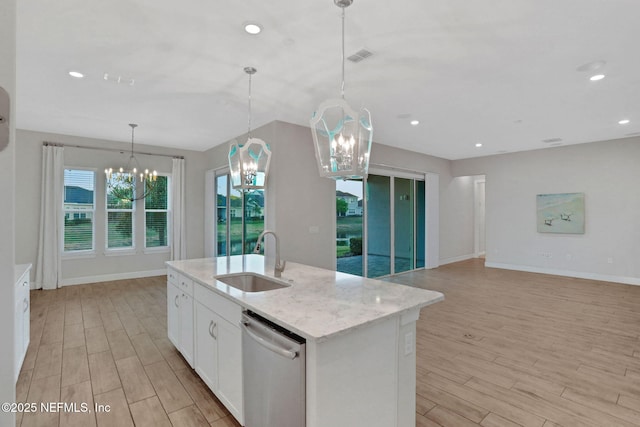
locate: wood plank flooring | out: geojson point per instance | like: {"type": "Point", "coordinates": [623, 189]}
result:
{"type": "Point", "coordinates": [504, 349]}
{"type": "Point", "coordinates": [509, 348]}
{"type": "Point", "coordinates": [106, 344]}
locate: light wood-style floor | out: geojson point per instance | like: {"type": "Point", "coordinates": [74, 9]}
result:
{"type": "Point", "coordinates": [504, 349]}
{"type": "Point", "coordinates": [106, 343]}
{"type": "Point", "coordinates": [509, 348]}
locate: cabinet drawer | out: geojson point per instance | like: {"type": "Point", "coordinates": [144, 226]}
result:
{"type": "Point", "coordinates": [172, 276]}
{"type": "Point", "coordinates": [22, 287]}
{"type": "Point", "coordinates": [224, 308]}
{"type": "Point", "coordinates": [185, 284]}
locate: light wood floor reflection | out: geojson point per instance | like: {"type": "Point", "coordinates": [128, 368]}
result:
{"type": "Point", "coordinates": [106, 343]}
{"type": "Point", "coordinates": [509, 348]}
{"type": "Point", "coordinates": [504, 349]}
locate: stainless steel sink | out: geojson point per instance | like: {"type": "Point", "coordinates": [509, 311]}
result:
{"type": "Point", "coordinates": [251, 282]}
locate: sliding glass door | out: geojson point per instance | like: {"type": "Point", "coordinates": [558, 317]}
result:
{"type": "Point", "coordinates": [383, 232]}
{"type": "Point", "coordinates": [403, 225]}
{"type": "Point", "coordinates": [378, 211]}
{"type": "Point", "coordinates": [239, 217]}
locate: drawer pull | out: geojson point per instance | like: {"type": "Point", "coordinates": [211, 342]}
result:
{"type": "Point", "coordinates": [26, 305]}
{"type": "Point", "coordinates": [176, 301]}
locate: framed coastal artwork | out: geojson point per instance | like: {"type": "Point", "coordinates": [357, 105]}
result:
{"type": "Point", "coordinates": [560, 213]}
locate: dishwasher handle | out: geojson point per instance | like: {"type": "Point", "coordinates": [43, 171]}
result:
{"type": "Point", "coordinates": [289, 354]}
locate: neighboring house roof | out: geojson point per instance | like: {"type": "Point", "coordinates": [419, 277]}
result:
{"type": "Point", "coordinates": [343, 194]}
{"type": "Point", "coordinates": [74, 194]}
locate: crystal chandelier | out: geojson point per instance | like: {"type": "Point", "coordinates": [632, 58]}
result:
{"type": "Point", "coordinates": [342, 136]}
{"type": "Point", "coordinates": [249, 162]}
{"type": "Point", "coordinates": [130, 182]}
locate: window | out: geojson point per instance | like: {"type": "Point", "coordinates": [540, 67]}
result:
{"type": "Point", "coordinates": [79, 207]}
{"type": "Point", "coordinates": [156, 215]}
{"type": "Point", "coordinates": [119, 217]}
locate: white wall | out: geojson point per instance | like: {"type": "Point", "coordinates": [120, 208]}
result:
{"type": "Point", "coordinates": [300, 205]}
{"type": "Point", "coordinates": [7, 258]}
{"type": "Point", "coordinates": [101, 267]}
{"type": "Point", "coordinates": [607, 172]}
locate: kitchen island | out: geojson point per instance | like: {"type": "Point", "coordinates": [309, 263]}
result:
{"type": "Point", "coordinates": [360, 333]}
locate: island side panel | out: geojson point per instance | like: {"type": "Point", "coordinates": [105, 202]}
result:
{"type": "Point", "coordinates": [407, 369]}
{"type": "Point", "coordinates": [353, 378]}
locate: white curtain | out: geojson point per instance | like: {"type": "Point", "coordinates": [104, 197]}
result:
{"type": "Point", "coordinates": [178, 209]}
{"type": "Point", "coordinates": [48, 272]}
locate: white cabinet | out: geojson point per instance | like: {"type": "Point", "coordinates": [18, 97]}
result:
{"type": "Point", "coordinates": [206, 343]}
{"type": "Point", "coordinates": [186, 327]}
{"type": "Point", "coordinates": [180, 313]}
{"type": "Point", "coordinates": [173, 314]}
{"type": "Point", "coordinates": [218, 348]}
{"type": "Point", "coordinates": [22, 314]}
{"type": "Point", "coordinates": [230, 368]}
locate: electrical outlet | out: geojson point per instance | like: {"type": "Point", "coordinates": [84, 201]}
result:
{"type": "Point", "coordinates": [610, 260]}
{"type": "Point", "coordinates": [408, 343]}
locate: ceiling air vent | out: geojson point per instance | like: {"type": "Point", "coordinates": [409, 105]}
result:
{"type": "Point", "coordinates": [550, 140]}
{"type": "Point", "coordinates": [360, 55]}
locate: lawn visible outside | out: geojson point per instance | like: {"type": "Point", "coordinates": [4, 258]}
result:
{"type": "Point", "coordinates": [78, 235]}
{"type": "Point", "coordinates": [347, 227]}
{"type": "Point", "coordinates": [253, 229]}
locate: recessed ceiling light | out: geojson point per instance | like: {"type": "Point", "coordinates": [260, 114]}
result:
{"type": "Point", "coordinates": [252, 28]}
{"type": "Point", "coordinates": [592, 66]}
{"type": "Point", "coordinates": [624, 121]}
{"type": "Point", "coordinates": [596, 77]}
{"type": "Point", "coordinates": [415, 122]}
{"type": "Point", "coordinates": [550, 140]}
{"type": "Point", "coordinates": [76, 74]}
{"type": "Point", "coordinates": [478, 145]}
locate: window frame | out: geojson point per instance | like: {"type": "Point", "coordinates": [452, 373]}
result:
{"type": "Point", "coordinates": [167, 247]}
{"type": "Point", "coordinates": [119, 250]}
{"type": "Point", "coordinates": [81, 253]}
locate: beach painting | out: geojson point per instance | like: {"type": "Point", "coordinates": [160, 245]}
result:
{"type": "Point", "coordinates": [560, 213]}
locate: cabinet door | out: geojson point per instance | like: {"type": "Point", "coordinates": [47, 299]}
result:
{"type": "Point", "coordinates": [206, 345]}
{"type": "Point", "coordinates": [18, 338]}
{"type": "Point", "coordinates": [186, 327]}
{"type": "Point", "coordinates": [26, 314]}
{"type": "Point", "coordinates": [230, 368]}
{"type": "Point", "coordinates": [173, 315]}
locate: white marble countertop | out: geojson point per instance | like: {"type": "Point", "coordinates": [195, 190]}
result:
{"type": "Point", "coordinates": [318, 303]}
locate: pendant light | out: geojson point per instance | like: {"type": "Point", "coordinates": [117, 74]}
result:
{"type": "Point", "coordinates": [131, 182]}
{"type": "Point", "coordinates": [342, 136]}
{"type": "Point", "coordinates": [249, 162]}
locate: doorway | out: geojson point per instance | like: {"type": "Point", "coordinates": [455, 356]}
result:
{"type": "Point", "coordinates": [479, 218]}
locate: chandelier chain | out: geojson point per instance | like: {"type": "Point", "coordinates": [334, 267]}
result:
{"type": "Point", "coordinates": [249, 118]}
{"type": "Point", "coordinates": [342, 87]}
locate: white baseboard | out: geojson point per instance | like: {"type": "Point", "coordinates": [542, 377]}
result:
{"type": "Point", "coordinates": [566, 273]}
{"type": "Point", "coordinates": [109, 277]}
{"type": "Point", "coordinates": [456, 259]}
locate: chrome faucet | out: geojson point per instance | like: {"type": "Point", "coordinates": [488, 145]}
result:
{"type": "Point", "coordinates": [279, 267]}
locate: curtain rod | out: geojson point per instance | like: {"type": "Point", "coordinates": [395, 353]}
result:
{"type": "Point", "coordinates": [382, 165]}
{"type": "Point", "coordinates": [56, 144]}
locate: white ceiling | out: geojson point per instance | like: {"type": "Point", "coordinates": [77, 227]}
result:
{"type": "Point", "coordinates": [500, 72]}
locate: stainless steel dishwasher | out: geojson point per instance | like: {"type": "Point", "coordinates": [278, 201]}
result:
{"type": "Point", "coordinates": [274, 368]}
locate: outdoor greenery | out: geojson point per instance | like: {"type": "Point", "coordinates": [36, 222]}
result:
{"type": "Point", "coordinates": [78, 232]}
{"type": "Point", "coordinates": [349, 227]}
{"type": "Point", "coordinates": [341, 206]}
{"type": "Point", "coordinates": [253, 229]}
{"type": "Point", "coordinates": [355, 244]}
